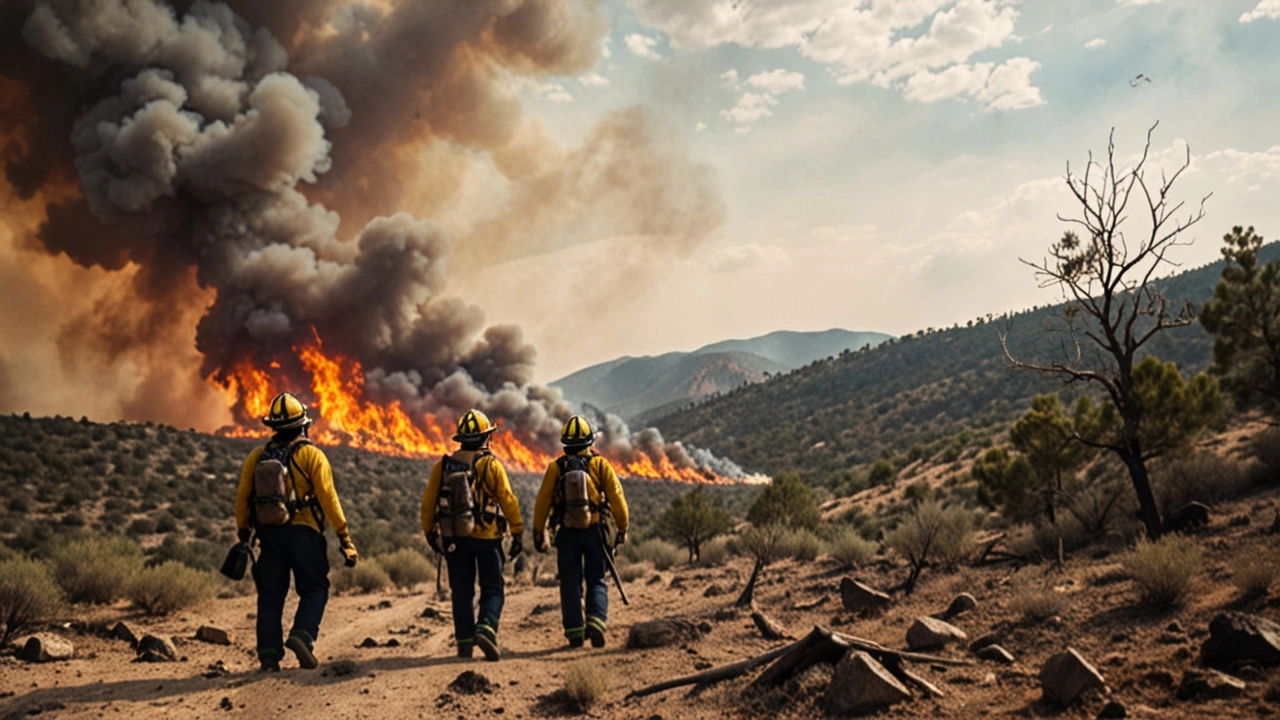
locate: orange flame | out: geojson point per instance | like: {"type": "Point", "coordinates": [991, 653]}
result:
{"type": "Point", "coordinates": [346, 417]}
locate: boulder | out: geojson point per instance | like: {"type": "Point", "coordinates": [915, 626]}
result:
{"type": "Point", "coordinates": [1067, 675]}
{"type": "Point", "coordinates": [927, 633]}
{"type": "Point", "coordinates": [1188, 517]}
{"type": "Point", "coordinates": [861, 685]}
{"type": "Point", "coordinates": [995, 653]}
{"type": "Point", "coordinates": [1236, 636]}
{"type": "Point", "coordinates": [46, 647]}
{"type": "Point", "coordinates": [471, 683]}
{"type": "Point", "coordinates": [963, 603]}
{"type": "Point", "coordinates": [126, 632]}
{"type": "Point", "coordinates": [657, 633]}
{"type": "Point", "coordinates": [213, 635]}
{"type": "Point", "coordinates": [1209, 685]}
{"type": "Point", "coordinates": [156, 648]}
{"type": "Point", "coordinates": [988, 639]}
{"type": "Point", "coordinates": [1113, 710]}
{"type": "Point", "coordinates": [859, 598]}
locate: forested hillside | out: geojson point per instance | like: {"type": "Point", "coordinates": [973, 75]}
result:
{"type": "Point", "coordinates": [832, 414]}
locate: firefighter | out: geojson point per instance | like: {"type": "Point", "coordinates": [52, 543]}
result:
{"type": "Point", "coordinates": [579, 491]}
{"type": "Point", "coordinates": [286, 497]}
{"type": "Point", "coordinates": [467, 508]}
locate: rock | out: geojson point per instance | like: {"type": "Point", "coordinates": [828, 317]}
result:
{"type": "Point", "coordinates": [995, 653]}
{"type": "Point", "coordinates": [713, 591]}
{"type": "Point", "coordinates": [471, 683]}
{"type": "Point", "coordinates": [1163, 678]}
{"type": "Point", "coordinates": [985, 640]}
{"type": "Point", "coordinates": [1174, 627]}
{"type": "Point", "coordinates": [926, 633]}
{"type": "Point", "coordinates": [46, 647]}
{"type": "Point", "coordinates": [963, 603]}
{"type": "Point", "coordinates": [544, 608]}
{"type": "Point", "coordinates": [1067, 675]}
{"type": "Point", "coordinates": [859, 598]}
{"type": "Point", "coordinates": [861, 685]}
{"type": "Point", "coordinates": [225, 704]}
{"type": "Point", "coordinates": [156, 648]}
{"type": "Point", "coordinates": [1209, 685]}
{"type": "Point", "coordinates": [385, 604]}
{"type": "Point", "coordinates": [210, 634]}
{"type": "Point", "coordinates": [391, 643]}
{"type": "Point", "coordinates": [1190, 516]}
{"type": "Point", "coordinates": [657, 633]}
{"type": "Point", "coordinates": [1113, 711]}
{"type": "Point", "coordinates": [726, 614]}
{"type": "Point", "coordinates": [436, 613]}
{"type": "Point", "coordinates": [126, 632]}
{"type": "Point", "coordinates": [1239, 521]}
{"type": "Point", "coordinates": [654, 579]}
{"type": "Point", "coordinates": [368, 643]}
{"type": "Point", "coordinates": [216, 670]}
{"type": "Point", "coordinates": [1236, 636]}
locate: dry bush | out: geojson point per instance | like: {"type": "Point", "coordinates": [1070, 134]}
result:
{"type": "Point", "coordinates": [366, 577]}
{"type": "Point", "coordinates": [662, 554]}
{"type": "Point", "coordinates": [932, 535]}
{"type": "Point", "coordinates": [801, 545]}
{"type": "Point", "coordinates": [1253, 573]}
{"type": "Point", "coordinates": [168, 587]}
{"type": "Point", "coordinates": [631, 571]}
{"type": "Point", "coordinates": [851, 549]}
{"type": "Point", "coordinates": [1265, 447]}
{"type": "Point", "coordinates": [586, 681]}
{"type": "Point", "coordinates": [407, 567]}
{"type": "Point", "coordinates": [95, 569]}
{"type": "Point", "coordinates": [1163, 569]}
{"type": "Point", "coordinates": [28, 596]}
{"type": "Point", "coordinates": [1041, 542]}
{"type": "Point", "coordinates": [714, 553]}
{"type": "Point", "coordinates": [1204, 477]}
{"type": "Point", "coordinates": [1033, 604]}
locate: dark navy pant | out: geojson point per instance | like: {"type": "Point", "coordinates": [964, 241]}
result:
{"type": "Point", "coordinates": [298, 550]}
{"type": "Point", "coordinates": [472, 557]}
{"type": "Point", "coordinates": [580, 557]}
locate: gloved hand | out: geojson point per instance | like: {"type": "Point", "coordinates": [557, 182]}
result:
{"type": "Point", "coordinates": [620, 539]}
{"type": "Point", "coordinates": [517, 546]}
{"type": "Point", "coordinates": [433, 540]}
{"type": "Point", "coordinates": [243, 534]}
{"type": "Point", "coordinates": [348, 550]}
{"type": "Point", "coordinates": [540, 541]}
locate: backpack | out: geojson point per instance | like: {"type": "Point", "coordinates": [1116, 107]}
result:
{"type": "Point", "coordinates": [572, 496]}
{"type": "Point", "coordinates": [460, 505]}
{"type": "Point", "coordinates": [275, 493]}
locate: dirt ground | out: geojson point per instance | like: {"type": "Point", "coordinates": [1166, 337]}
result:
{"type": "Point", "coordinates": [1142, 653]}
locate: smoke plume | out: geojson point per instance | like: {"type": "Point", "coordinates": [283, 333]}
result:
{"type": "Point", "coordinates": [239, 168]}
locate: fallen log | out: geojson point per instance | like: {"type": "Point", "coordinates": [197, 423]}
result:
{"type": "Point", "coordinates": [771, 629]}
{"type": "Point", "coordinates": [813, 604]}
{"type": "Point", "coordinates": [982, 558]}
{"type": "Point", "coordinates": [714, 675]}
{"type": "Point", "coordinates": [894, 666]}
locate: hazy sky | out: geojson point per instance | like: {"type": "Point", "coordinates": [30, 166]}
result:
{"type": "Point", "coordinates": [884, 165]}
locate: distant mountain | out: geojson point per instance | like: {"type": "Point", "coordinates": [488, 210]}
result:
{"type": "Point", "coordinates": [640, 388]}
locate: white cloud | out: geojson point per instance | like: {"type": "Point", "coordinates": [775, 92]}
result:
{"type": "Point", "coordinates": [884, 44]}
{"type": "Point", "coordinates": [755, 105]}
{"type": "Point", "coordinates": [737, 258]}
{"type": "Point", "coordinates": [1095, 43]}
{"type": "Point", "coordinates": [1266, 9]}
{"type": "Point", "coordinates": [551, 92]}
{"type": "Point", "coordinates": [743, 130]}
{"type": "Point", "coordinates": [751, 107]}
{"type": "Point", "coordinates": [593, 80]}
{"type": "Point", "coordinates": [730, 78]}
{"type": "Point", "coordinates": [643, 46]}
{"type": "Point", "coordinates": [605, 52]}
{"type": "Point", "coordinates": [776, 82]}
{"type": "Point", "coordinates": [1000, 87]}
{"type": "Point", "coordinates": [700, 127]}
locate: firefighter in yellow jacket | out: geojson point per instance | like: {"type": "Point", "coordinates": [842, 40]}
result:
{"type": "Point", "coordinates": [466, 510]}
{"type": "Point", "coordinates": [286, 496]}
{"type": "Point", "coordinates": [578, 490]}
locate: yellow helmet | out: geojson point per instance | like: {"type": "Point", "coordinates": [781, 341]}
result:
{"type": "Point", "coordinates": [473, 427]}
{"type": "Point", "coordinates": [287, 412]}
{"type": "Point", "coordinates": [577, 433]}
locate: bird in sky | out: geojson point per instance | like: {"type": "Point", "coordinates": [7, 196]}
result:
{"type": "Point", "coordinates": [1139, 80]}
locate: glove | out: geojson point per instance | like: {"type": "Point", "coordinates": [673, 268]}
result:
{"type": "Point", "coordinates": [433, 539]}
{"type": "Point", "coordinates": [517, 546]}
{"type": "Point", "coordinates": [620, 539]}
{"type": "Point", "coordinates": [348, 550]}
{"type": "Point", "coordinates": [243, 534]}
{"type": "Point", "coordinates": [540, 541]}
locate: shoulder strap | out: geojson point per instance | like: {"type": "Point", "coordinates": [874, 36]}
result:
{"type": "Point", "coordinates": [312, 501]}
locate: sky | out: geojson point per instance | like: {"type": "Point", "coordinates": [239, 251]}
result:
{"type": "Point", "coordinates": [886, 166]}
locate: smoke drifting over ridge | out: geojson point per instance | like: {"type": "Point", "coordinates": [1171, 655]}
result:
{"type": "Point", "coordinates": [246, 168]}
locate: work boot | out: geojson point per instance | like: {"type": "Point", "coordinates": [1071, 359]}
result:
{"type": "Point", "coordinates": [575, 642]}
{"type": "Point", "coordinates": [488, 644]}
{"type": "Point", "coordinates": [595, 631]}
{"type": "Point", "coordinates": [301, 648]}
{"type": "Point", "coordinates": [465, 650]}
{"type": "Point", "coordinates": [266, 666]}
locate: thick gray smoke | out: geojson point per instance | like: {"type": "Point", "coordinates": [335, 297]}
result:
{"type": "Point", "coordinates": [197, 144]}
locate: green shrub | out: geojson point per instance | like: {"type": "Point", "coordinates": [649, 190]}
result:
{"type": "Point", "coordinates": [1163, 569]}
{"type": "Point", "coordinates": [366, 577]}
{"type": "Point", "coordinates": [714, 553]}
{"type": "Point", "coordinates": [586, 681]}
{"type": "Point", "coordinates": [28, 596]}
{"type": "Point", "coordinates": [662, 554]}
{"type": "Point", "coordinates": [917, 492]}
{"type": "Point", "coordinates": [169, 587]}
{"type": "Point", "coordinates": [1253, 573]}
{"type": "Point", "coordinates": [407, 567]}
{"type": "Point", "coordinates": [788, 501]}
{"type": "Point", "coordinates": [802, 545]}
{"type": "Point", "coordinates": [96, 569]}
{"type": "Point", "coordinates": [852, 550]}
{"type": "Point", "coordinates": [1033, 604]}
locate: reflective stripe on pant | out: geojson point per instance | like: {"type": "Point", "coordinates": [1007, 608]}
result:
{"type": "Point", "coordinates": [472, 557]}
{"type": "Point", "coordinates": [580, 556]}
{"type": "Point", "coordinates": [298, 550]}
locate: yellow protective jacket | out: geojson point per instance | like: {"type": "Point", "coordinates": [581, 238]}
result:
{"type": "Point", "coordinates": [492, 486]}
{"type": "Point", "coordinates": [316, 478]}
{"type": "Point", "coordinates": [603, 478]}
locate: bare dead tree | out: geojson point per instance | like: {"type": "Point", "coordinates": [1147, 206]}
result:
{"type": "Point", "coordinates": [1113, 307]}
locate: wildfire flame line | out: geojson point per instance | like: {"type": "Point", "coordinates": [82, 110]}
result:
{"type": "Point", "coordinates": [346, 417]}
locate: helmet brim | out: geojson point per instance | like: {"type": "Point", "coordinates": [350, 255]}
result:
{"type": "Point", "coordinates": [578, 444]}
{"type": "Point", "coordinates": [474, 437]}
{"type": "Point", "coordinates": [287, 424]}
